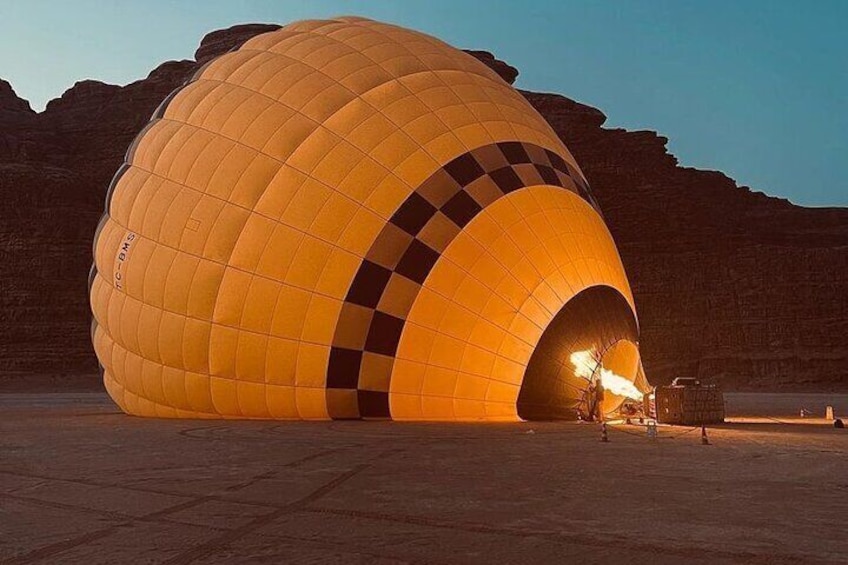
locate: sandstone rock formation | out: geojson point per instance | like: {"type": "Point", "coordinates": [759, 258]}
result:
{"type": "Point", "coordinates": [54, 169]}
{"type": "Point", "coordinates": [730, 284]}
{"type": "Point", "coordinates": [222, 40]}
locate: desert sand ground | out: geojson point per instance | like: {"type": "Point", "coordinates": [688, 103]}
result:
{"type": "Point", "coordinates": [82, 483]}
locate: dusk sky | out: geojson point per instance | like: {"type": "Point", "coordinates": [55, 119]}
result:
{"type": "Point", "coordinates": [756, 89]}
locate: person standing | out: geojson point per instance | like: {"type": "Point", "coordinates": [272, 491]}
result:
{"type": "Point", "coordinates": [598, 415]}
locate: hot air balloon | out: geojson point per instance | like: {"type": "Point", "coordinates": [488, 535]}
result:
{"type": "Point", "coordinates": [346, 219]}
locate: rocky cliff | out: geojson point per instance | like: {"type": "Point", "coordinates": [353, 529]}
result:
{"type": "Point", "coordinates": [54, 170]}
{"type": "Point", "coordinates": [730, 283]}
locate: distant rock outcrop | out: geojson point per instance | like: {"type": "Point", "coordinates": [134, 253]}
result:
{"type": "Point", "coordinates": [16, 117]}
{"type": "Point", "coordinates": [506, 71]}
{"type": "Point", "coordinates": [729, 283]}
{"type": "Point", "coordinates": [9, 101]}
{"type": "Point", "coordinates": [54, 169]}
{"type": "Point", "coordinates": [222, 40]}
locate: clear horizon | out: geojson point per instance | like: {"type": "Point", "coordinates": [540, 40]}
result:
{"type": "Point", "coordinates": [756, 90]}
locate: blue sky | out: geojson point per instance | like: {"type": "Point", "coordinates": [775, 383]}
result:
{"type": "Point", "coordinates": [755, 88]}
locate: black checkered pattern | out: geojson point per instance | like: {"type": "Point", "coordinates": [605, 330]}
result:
{"type": "Point", "coordinates": [377, 304]}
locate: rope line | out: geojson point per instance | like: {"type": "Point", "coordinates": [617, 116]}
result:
{"type": "Point", "coordinates": [645, 436]}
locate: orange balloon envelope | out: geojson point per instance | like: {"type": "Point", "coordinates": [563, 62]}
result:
{"type": "Point", "coordinates": [348, 219]}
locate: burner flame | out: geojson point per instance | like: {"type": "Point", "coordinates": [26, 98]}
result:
{"type": "Point", "coordinates": [588, 366]}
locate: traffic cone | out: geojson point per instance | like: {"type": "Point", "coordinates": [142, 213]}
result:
{"type": "Point", "coordinates": [704, 439]}
{"type": "Point", "coordinates": [604, 436]}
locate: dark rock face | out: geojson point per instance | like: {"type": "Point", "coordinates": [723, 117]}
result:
{"type": "Point", "coordinates": [729, 283]}
{"type": "Point", "coordinates": [222, 40]}
{"type": "Point", "coordinates": [9, 101]}
{"type": "Point", "coordinates": [16, 117]}
{"type": "Point", "coordinates": [54, 170]}
{"type": "Point", "coordinates": [506, 72]}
